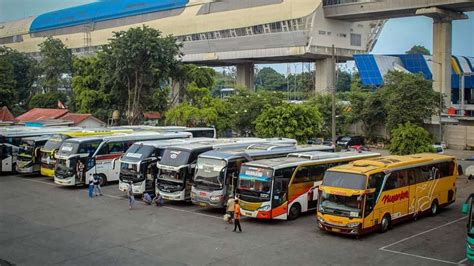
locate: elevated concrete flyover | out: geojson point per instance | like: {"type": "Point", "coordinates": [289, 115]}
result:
{"type": "Point", "coordinates": [363, 10]}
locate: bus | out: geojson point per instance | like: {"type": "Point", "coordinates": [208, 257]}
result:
{"type": "Point", "coordinates": [51, 147]}
{"type": "Point", "coordinates": [178, 163]}
{"type": "Point", "coordinates": [467, 208]}
{"type": "Point", "coordinates": [80, 158]}
{"type": "Point", "coordinates": [217, 171]}
{"type": "Point", "coordinates": [11, 139]}
{"type": "Point", "coordinates": [283, 188]}
{"type": "Point", "coordinates": [370, 195]}
{"type": "Point", "coordinates": [198, 132]}
{"type": "Point", "coordinates": [29, 154]}
{"type": "Point", "coordinates": [138, 164]}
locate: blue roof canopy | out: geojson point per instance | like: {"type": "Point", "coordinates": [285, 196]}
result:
{"type": "Point", "coordinates": [99, 11]}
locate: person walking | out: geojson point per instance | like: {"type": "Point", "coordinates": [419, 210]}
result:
{"type": "Point", "coordinates": [230, 208]}
{"type": "Point", "coordinates": [237, 216]}
{"type": "Point", "coordinates": [97, 188]}
{"type": "Point", "coordinates": [131, 198]}
{"type": "Point", "coordinates": [91, 187]}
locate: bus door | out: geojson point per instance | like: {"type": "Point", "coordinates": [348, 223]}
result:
{"type": "Point", "coordinates": [396, 193]}
{"type": "Point", "coordinates": [280, 198]}
{"type": "Point", "coordinates": [371, 208]}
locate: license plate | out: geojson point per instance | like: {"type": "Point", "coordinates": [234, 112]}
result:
{"type": "Point", "coordinates": [336, 230]}
{"type": "Point", "coordinates": [166, 197]}
{"type": "Point", "coordinates": [247, 213]}
{"type": "Point", "coordinates": [202, 204]}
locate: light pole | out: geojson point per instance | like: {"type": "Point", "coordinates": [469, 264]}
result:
{"type": "Point", "coordinates": [440, 104]}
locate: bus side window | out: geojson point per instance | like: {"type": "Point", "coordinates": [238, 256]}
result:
{"type": "Point", "coordinates": [391, 182]}
{"type": "Point", "coordinates": [376, 181]}
{"type": "Point", "coordinates": [302, 175]}
{"type": "Point", "coordinates": [423, 174]}
{"type": "Point", "coordinates": [411, 176]}
{"type": "Point", "coordinates": [316, 172]}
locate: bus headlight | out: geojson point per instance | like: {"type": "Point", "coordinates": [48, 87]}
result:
{"type": "Point", "coordinates": [321, 219]}
{"type": "Point", "coordinates": [216, 198]}
{"type": "Point", "coordinates": [353, 225]}
{"type": "Point", "coordinates": [264, 208]}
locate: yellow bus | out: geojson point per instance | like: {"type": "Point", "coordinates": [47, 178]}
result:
{"type": "Point", "coordinates": [369, 195]}
{"type": "Point", "coordinates": [282, 188]}
{"type": "Point", "coordinates": [51, 147]}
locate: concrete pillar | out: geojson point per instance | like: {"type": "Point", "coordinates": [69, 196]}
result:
{"type": "Point", "coordinates": [323, 75]}
{"type": "Point", "coordinates": [245, 76]}
{"type": "Point", "coordinates": [442, 49]}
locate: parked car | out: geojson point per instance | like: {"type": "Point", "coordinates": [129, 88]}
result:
{"type": "Point", "coordinates": [438, 149]}
{"type": "Point", "coordinates": [347, 141]}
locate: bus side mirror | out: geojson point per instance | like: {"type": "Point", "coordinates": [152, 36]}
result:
{"type": "Point", "coordinates": [460, 171]}
{"type": "Point", "coordinates": [465, 208]}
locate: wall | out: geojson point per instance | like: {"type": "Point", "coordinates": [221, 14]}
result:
{"type": "Point", "coordinates": [90, 123]}
{"type": "Point", "coordinates": [455, 136]}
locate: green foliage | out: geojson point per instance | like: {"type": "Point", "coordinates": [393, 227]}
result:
{"type": "Point", "coordinates": [247, 106]}
{"type": "Point", "coordinates": [292, 121]}
{"type": "Point", "coordinates": [343, 81]}
{"type": "Point", "coordinates": [137, 62]}
{"type": "Point", "coordinates": [410, 139]}
{"type": "Point", "coordinates": [47, 100]}
{"type": "Point", "coordinates": [56, 61]}
{"type": "Point", "coordinates": [269, 79]}
{"type": "Point", "coordinates": [408, 98]}
{"type": "Point", "coordinates": [418, 49]}
{"type": "Point", "coordinates": [185, 114]}
{"type": "Point", "coordinates": [17, 74]}
{"type": "Point", "coordinates": [323, 103]}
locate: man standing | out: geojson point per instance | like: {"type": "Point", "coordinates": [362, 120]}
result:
{"type": "Point", "coordinates": [237, 216]}
{"type": "Point", "coordinates": [230, 208]}
{"type": "Point", "coordinates": [131, 198]}
{"type": "Point", "coordinates": [97, 188]}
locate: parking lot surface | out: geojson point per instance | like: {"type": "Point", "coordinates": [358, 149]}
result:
{"type": "Point", "coordinates": [41, 223]}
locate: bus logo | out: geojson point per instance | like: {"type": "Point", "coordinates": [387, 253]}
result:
{"type": "Point", "coordinates": [393, 198]}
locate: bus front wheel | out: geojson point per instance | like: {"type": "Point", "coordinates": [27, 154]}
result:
{"type": "Point", "coordinates": [434, 207]}
{"type": "Point", "coordinates": [295, 211]}
{"type": "Point", "coordinates": [385, 223]}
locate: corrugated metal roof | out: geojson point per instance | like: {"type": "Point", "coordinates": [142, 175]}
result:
{"type": "Point", "coordinates": [36, 114]}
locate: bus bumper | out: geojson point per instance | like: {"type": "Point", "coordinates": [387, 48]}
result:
{"type": "Point", "coordinates": [68, 181]}
{"type": "Point", "coordinates": [123, 186]}
{"type": "Point", "coordinates": [175, 196]}
{"type": "Point", "coordinates": [24, 170]}
{"type": "Point", "coordinates": [138, 188]}
{"type": "Point", "coordinates": [470, 249]}
{"type": "Point", "coordinates": [47, 172]}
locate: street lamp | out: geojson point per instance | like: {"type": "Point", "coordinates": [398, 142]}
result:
{"type": "Point", "coordinates": [440, 104]}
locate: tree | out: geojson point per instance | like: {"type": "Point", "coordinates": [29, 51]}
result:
{"type": "Point", "coordinates": [418, 49]}
{"type": "Point", "coordinates": [343, 82]}
{"type": "Point", "coordinates": [408, 98]}
{"type": "Point", "coordinates": [138, 61]}
{"type": "Point", "coordinates": [410, 139]}
{"type": "Point", "coordinates": [47, 100]}
{"type": "Point", "coordinates": [7, 83]}
{"type": "Point", "coordinates": [292, 121]}
{"type": "Point", "coordinates": [324, 105]}
{"type": "Point", "coordinates": [269, 79]}
{"type": "Point", "coordinates": [55, 65]}
{"type": "Point", "coordinates": [23, 73]}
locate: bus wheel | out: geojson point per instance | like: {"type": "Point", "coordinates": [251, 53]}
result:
{"type": "Point", "coordinates": [295, 211]}
{"type": "Point", "coordinates": [434, 207]}
{"type": "Point", "coordinates": [103, 180]}
{"type": "Point", "coordinates": [385, 223]}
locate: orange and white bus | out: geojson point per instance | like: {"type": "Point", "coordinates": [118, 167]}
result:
{"type": "Point", "coordinates": [282, 188]}
{"type": "Point", "coordinates": [369, 195]}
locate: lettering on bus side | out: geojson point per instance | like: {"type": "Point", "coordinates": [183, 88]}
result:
{"type": "Point", "coordinates": [396, 197]}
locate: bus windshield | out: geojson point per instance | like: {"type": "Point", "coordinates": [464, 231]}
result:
{"type": "Point", "coordinates": [138, 152]}
{"type": "Point", "coordinates": [345, 180]}
{"type": "Point", "coordinates": [349, 206]}
{"type": "Point", "coordinates": [175, 158]}
{"type": "Point", "coordinates": [54, 142]}
{"type": "Point", "coordinates": [255, 182]}
{"type": "Point", "coordinates": [209, 171]}
{"type": "Point", "coordinates": [70, 148]}
{"type": "Point", "coordinates": [26, 148]}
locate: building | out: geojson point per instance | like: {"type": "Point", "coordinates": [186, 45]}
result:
{"type": "Point", "coordinates": [6, 117]}
{"type": "Point", "coordinates": [372, 69]}
{"type": "Point", "coordinates": [48, 117]}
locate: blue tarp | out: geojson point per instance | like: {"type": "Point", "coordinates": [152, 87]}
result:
{"type": "Point", "coordinates": [100, 11]}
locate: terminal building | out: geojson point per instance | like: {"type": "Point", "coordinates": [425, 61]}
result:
{"type": "Point", "coordinates": [372, 69]}
{"type": "Point", "coordinates": [240, 33]}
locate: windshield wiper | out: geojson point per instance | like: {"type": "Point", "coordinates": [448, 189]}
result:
{"type": "Point", "coordinates": [207, 182]}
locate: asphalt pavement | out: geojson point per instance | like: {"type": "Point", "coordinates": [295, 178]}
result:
{"type": "Point", "coordinates": [43, 224]}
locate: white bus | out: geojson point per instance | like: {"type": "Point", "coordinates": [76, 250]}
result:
{"type": "Point", "coordinates": [138, 164]}
{"type": "Point", "coordinates": [198, 132]}
{"type": "Point", "coordinates": [178, 163]}
{"type": "Point", "coordinates": [217, 171]}
{"type": "Point", "coordinates": [80, 158]}
{"type": "Point", "coordinates": [29, 154]}
{"type": "Point", "coordinates": [10, 139]}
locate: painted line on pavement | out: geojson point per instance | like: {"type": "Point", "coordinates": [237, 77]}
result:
{"type": "Point", "coordinates": [384, 248]}
{"type": "Point", "coordinates": [462, 261]}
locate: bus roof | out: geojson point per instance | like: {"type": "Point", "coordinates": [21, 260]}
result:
{"type": "Point", "coordinates": [389, 162]}
{"type": "Point", "coordinates": [229, 142]}
{"type": "Point", "coordinates": [35, 131]}
{"type": "Point", "coordinates": [169, 142]}
{"type": "Point", "coordinates": [266, 148]}
{"type": "Point", "coordinates": [296, 159]}
{"type": "Point", "coordinates": [133, 136]}
{"type": "Point", "coordinates": [37, 138]}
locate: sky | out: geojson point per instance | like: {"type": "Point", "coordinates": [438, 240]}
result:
{"type": "Point", "coordinates": [398, 35]}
